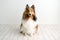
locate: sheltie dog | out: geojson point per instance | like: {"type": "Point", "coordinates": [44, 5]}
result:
{"type": "Point", "coordinates": [29, 25]}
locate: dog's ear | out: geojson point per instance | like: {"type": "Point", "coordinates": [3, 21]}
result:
{"type": "Point", "coordinates": [34, 18]}
{"type": "Point", "coordinates": [27, 7]}
{"type": "Point", "coordinates": [33, 7]}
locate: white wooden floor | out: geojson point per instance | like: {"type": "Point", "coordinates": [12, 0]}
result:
{"type": "Point", "coordinates": [45, 32]}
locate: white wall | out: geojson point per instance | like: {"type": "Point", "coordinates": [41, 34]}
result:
{"type": "Point", "coordinates": [11, 11]}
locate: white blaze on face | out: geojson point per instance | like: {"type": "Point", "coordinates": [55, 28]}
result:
{"type": "Point", "coordinates": [30, 13]}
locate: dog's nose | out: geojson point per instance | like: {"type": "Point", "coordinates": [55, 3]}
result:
{"type": "Point", "coordinates": [29, 14]}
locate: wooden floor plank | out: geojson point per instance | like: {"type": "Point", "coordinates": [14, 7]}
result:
{"type": "Point", "coordinates": [45, 32]}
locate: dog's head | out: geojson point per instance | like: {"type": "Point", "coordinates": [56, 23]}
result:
{"type": "Point", "coordinates": [29, 13]}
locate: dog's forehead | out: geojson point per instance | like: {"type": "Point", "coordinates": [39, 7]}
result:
{"type": "Point", "coordinates": [30, 9]}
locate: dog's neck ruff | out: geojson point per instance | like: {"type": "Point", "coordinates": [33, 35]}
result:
{"type": "Point", "coordinates": [29, 25]}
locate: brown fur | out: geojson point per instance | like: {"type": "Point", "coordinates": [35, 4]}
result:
{"type": "Point", "coordinates": [27, 11]}
{"type": "Point", "coordinates": [26, 16]}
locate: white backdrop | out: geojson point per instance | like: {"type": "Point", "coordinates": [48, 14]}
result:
{"type": "Point", "coordinates": [47, 11]}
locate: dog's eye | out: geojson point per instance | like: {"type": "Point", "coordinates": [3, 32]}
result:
{"type": "Point", "coordinates": [26, 14]}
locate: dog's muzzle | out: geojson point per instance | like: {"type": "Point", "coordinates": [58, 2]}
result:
{"type": "Point", "coordinates": [29, 14]}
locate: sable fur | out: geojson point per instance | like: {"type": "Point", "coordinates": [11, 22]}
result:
{"type": "Point", "coordinates": [29, 24]}
{"type": "Point", "coordinates": [27, 10]}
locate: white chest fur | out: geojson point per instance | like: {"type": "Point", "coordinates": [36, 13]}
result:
{"type": "Point", "coordinates": [28, 26]}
